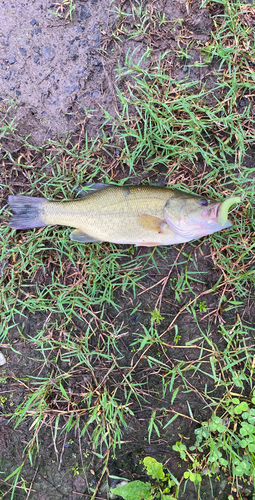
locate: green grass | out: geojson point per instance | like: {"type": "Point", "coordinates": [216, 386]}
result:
{"type": "Point", "coordinates": [191, 135]}
{"type": "Point", "coordinates": [64, 9]}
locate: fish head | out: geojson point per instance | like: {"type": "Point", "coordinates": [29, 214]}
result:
{"type": "Point", "coordinates": [193, 217]}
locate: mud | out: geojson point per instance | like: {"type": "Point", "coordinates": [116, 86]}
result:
{"type": "Point", "coordinates": [60, 73]}
{"type": "Point", "coordinates": [52, 67]}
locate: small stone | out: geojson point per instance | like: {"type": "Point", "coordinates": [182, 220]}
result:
{"type": "Point", "coordinates": [36, 59]}
{"type": "Point", "coordinates": [70, 89]}
{"type": "Point", "coordinates": [47, 52]}
{"type": "Point", "coordinates": [18, 92]}
{"type": "Point", "coordinates": [34, 22]}
{"type": "Point", "coordinates": [23, 51]}
{"type": "Point", "coordinates": [243, 102]}
{"type": "Point", "coordinates": [95, 95]}
{"type": "Point", "coordinates": [2, 359]}
{"type": "Point", "coordinates": [84, 14]}
{"type": "Point", "coordinates": [74, 57]}
{"type": "Point", "coordinates": [37, 31]}
{"type": "Point", "coordinates": [12, 60]}
{"type": "Point", "coordinates": [82, 70]}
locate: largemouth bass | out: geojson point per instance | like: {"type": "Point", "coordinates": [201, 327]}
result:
{"type": "Point", "coordinates": [143, 215]}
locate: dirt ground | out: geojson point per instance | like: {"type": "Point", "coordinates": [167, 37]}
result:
{"type": "Point", "coordinates": [61, 73]}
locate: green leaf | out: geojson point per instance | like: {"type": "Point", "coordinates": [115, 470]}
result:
{"type": "Point", "coordinates": [192, 476]}
{"type": "Point", "coordinates": [135, 490]}
{"type": "Point", "coordinates": [243, 443]}
{"type": "Point", "coordinates": [154, 468]}
{"type": "Point", "coordinates": [217, 425]}
{"type": "Point", "coordinates": [241, 407]}
{"type": "Point", "coordinates": [216, 420]}
{"type": "Point", "coordinates": [223, 462]}
{"type": "Point", "coordinates": [167, 497]}
{"type": "Point", "coordinates": [247, 429]}
{"type": "Point", "coordinates": [214, 455]}
{"type": "Point", "coordinates": [181, 448]}
{"type": "Point", "coordinates": [251, 416]}
{"type": "Point", "coordinates": [241, 468]}
{"type": "Point", "coordinates": [236, 401]}
{"type": "Point", "coordinates": [237, 381]}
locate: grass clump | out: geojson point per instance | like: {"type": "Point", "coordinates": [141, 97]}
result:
{"type": "Point", "coordinates": [175, 124]}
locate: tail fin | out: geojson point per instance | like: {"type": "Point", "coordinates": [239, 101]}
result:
{"type": "Point", "coordinates": [28, 212]}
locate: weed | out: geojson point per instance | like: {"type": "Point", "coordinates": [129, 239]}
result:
{"type": "Point", "coordinates": [64, 9]}
{"type": "Point", "coordinates": [160, 488]}
{"type": "Point", "coordinates": [156, 316]}
{"type": "Point", "coordinates": [226, 442]}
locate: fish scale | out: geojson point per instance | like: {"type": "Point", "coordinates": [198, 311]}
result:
{"type": "Point", "coordinates": [112, 213]}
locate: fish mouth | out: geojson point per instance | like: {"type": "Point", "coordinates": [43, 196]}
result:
{"type": "Point", "coordinates": [218, 213]}
{"type": "Point", "coordinates": [211, 214]}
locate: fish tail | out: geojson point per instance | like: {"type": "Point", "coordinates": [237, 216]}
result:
{"type": "Point", "coordinates": [28, 212]}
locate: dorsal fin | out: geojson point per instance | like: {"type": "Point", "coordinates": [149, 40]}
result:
{"type": "Point", "coordinates": [90, 188]}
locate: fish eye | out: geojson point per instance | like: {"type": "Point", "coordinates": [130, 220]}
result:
{"type": "Point", "coordinates": [203, 203]}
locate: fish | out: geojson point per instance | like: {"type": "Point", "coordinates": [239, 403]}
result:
{"type": "Point", "coordinates": [142, 215]}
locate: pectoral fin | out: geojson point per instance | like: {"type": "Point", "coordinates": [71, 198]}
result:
{"type": "Point", "coordinates": [78, 235]}
{"type": "Point", "coordinates": [152, 223]}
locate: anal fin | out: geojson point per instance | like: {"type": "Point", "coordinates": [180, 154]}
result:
{"type": "Point", "coordinates": [147, 244]}
{"type": "Point", "coordinates": [81, 237]}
